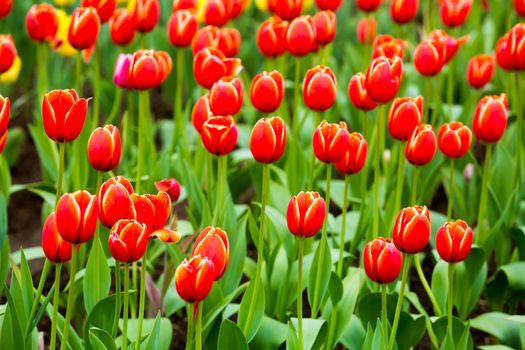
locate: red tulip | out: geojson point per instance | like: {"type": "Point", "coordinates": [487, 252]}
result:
{"type": "Point", "coordinates": [114, 201]}
{"type": "Point", "coordinates": [358, 95]}
{"type": "Point", "coordinates": [429, 57]}
{"type": "Point", "coordinates": [64, 114]}
{"type": "Point", "coordinates": [171, 187]}
{"type": "Point", "coordinates": [383, 78]}
{"type": "Point", "coordinates": [300, 37]}
{"type": "Point", "coordinates": [153, 211]}
{"type": "Point", "coordinates": [76, 216]}
{"type": "Point", "coordinates": [454, 12]}
{"type": "Point", "coordinates": [55, 248]}
{"type": "Point", "coordinates": [268, 139]}
{"type": "Point", "coordinates": [490, 118]}
{"type": "Point", "coordinates": [104, 148]}
{"type": "Point", "coordinates": [41, 22]}
{"type": "Point", "coordinates": [421, 146]}
{"type": "Point", "coordinates": [355, 155]}
{"type": "Point", "coordinates": [216, 12]}
{"type": "Point", "coordinates": [404, 116]}
{"type": "Point", "coordinates": [3, 141]}
{"type": "Point", "coordinates": [324, 23]}
{"type": "Point", "coordinates": [84, 28]}
{"type": "Point", "coordinates": [453, 241]}
{"type": "Point", "coordinates": [5, 7]}
{"type": "Point", "coordinates": [122, 27]}
{"type": "Point", "coordinates": [237, 6]}
{"type": "Point", "coordinates": [480, 69]}
{"type": "Point", "coordinates": [503, 53]}
{"type": "Point", "coordinates": [194, 278]}
{"type": "Point", "coordinates": [454, 139]}
{"type": "Point", "coordinates": [226, 96]}
{"type": "Point", "coordinates": [451, 44]}
{"type": "Point", "coordinates": [149, 69]}
{"type": "Point", "coordinates": [519, 6]}
{"type": "Point", "coordinates": [319, 88]}
{"type": "Point", "coordinates": [7, 52]}
{"type": "Point", "coordinates": [128, 240]}
{"type": "Point", "coordinates": [267, 91]}
{"type": "Point", "coordinates": [147, 13]}
{"type": "Point", "coordinates": [184, 5]}
{"type": "Point", "coordinates": [331, 5]}
{"type": "Point", "coordinates": [412, 229]}
{"type": "Point", "coordinates": [403, 11]}
{"type": "Point", "coordinates": [201, 112]}
{"type": "Point", "coordinates": [516, 46]}
{"type": "Point", "coordinates": [271, 37]}
{"type": "Point", "coordinates": [5, 109]}
{"type": "Point", "coordinates": [388, 46]}
{"type": "Point", "coordinates": [219, 135]}
{"type": "Point", "coordinates": [229, 41]}
{"type": "Point", "coordinates": [105, 8]}
{"type": "Point", "coordinates": [330, 141]}
{"type": "Point", "coordinates": [382, 261]}
{"type": "Point", "coordinates": [209, 65]}
{"type": "Point", "coordinates": [213, 244]}
{"type": "Point", "coordinates": [305, 214]}
{"type": "Point", "coordinates": [208, 36]}
{"type": "Point", "coordinates": [368, 5]}
{"type": "Point", "coordinates": [286, 9]}
{"type": "Point", "coordinates": [366, 30]}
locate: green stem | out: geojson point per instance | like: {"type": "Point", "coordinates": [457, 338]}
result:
{"type": "Point", "coordinates": [343, 227]}
{"type": "Point", "coordinates": [189, 334]}
{"type": "Point", "coordinates": [519, 133]}
{"type": "Point", "coordinates": [221, 188]}
{"type": "Point", "coordinates": [198, 329]}
{"type": "Point", "coordinates": [62, 151]}
{"type": "Point", "coordinates": [377, 169]}
{"type": "Point", "coordinates": [178, 117]}
{"type": "Point", "coordinates": [426, 104]}
{"type": "Point", "coordinates": [399, 178]}
{"type": "Point", "coordinates": [96, 86]}
{"type": "Point", "coordinates": [70, 298]}
{"type": "Point", "coordinates": [56, 302]}
{"type": "Point", "coordinates": [364, 171]}
{"type": "Point", "coordinates": [311, 178]}
{"type": "Point", "coordinates": [399, 305]}
{"type": "Point", "coordinates": [209, 174]}
{"type": "Point", "coordinates": [78, 73]}
{"type": "Point", "coordinates": [415, 177]}
{"type": "Point", "coordinates": [425, 285]}
{"type": "Point", "coordinates": [451, 190]}
{"type": "Point", "coordinates": [117, 298]}
{"type": "Point", "coordinates": [300, 292]}
{"type": "Point", "coordinates": [116, 106]}
{"type": "Point", "coordinates": [295, 112]}
{"type": "Point", "coordinates": [383, 311]}
{"type": "Point", "coordinates": [143, 95]}
{"type": "Point", "coordinates": [483, 198]}
{"type": "Point", "coordinates": [450, 300]}
{"type": "Point", "coordinates": [41, 70]}
{"type": "Point", "coordinates": [450, 85]}
{"type": "Point", "coordinates": [36, 301]}
{"type": "Point", "coordinates": [142, 300]}
{"type": "Point", "coordinates": [126, 307]}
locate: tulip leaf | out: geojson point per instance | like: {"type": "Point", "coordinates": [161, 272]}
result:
{"type": "Point", "coordinates": [253, 302]}
{"type": "Point", "coordinates": [3, 218]}
{"type": "Point", "coordinates": [100, 339]}
{"type": "Point", "coordinates": [97, 277]}
{"type": "Point", "coordinates": [315, 332]}
{"type": "Point", "coordinates": [291, 338]}
{"type": "Point", "coordinates": [499, 325]}
{"type": "Point", "coordinates": [458, 331]}
{"type": "Point", "coordinates": [47, 152]}
{"type": "Point", "coordinates": [162, 336]}
{"type": "Point", "coordinates": [231, 336]}
{"type": "Point", "coordinates": [508, 284]}
{"type": "Point", "coordinates": [296, 166]}
{"type": "Point", "coordinates": [154, 339]}
{"type": "Point", "coordinates": [469, 275]}
{"type": "Point", "coordinates": [4, 264]}
{"type": "Point", "coordinates": [101, 317]}
{"type": "Point", "coordinates": [271, 334]}
{"type": "Point", "coordinates": [319, 269]}
{"type": "Point", "coordinates": [354, 334]}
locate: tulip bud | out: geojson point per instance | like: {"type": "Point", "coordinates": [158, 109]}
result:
{"type": "Point", "coordinates": [366, 30]}
{"type": "Point", "coordinates": [149, 69]}
{"type": "Point", "coordinates": [76, 216]}
{"type": "Point", "coordinates": [368, 5]}
{"type": "Point", "coordinates": [453, 241]}
{"type": "Point", "coordinates": [226, 96]}
{"type": "Point", "coordinates": [325, 26]}
{"type": "Point", "coordinates": [319, 88]}
{"type": "Point", "coordinates": [330, 141]}
{"type": "Point", "coordinates": [358, 95]}
{"type": "Point", "coordinates": [213, 244]}
{"type": "Point", "coordinates": [503, 54]}
{"type": "Point", "coordinates": [219, 135]}
{"type": "Point", "coordinates": [490, 118]}
{"type": "Point", "coordinates": [454, 139]}
{"type": "Point", "coordinates": [229, 41]}
{"type": "Point", "coordinates": [7, 52]}
{"type": "Point", "coordinates": [429, 57]}
{"type": "Point", "coordinates": [5, 7]}
{"type": "Point", "coordinates": [3, 141]}
{"type": "Point", "coordinates": [84, 28]}
{"type": "Point", "coordinates": [519, 7]}
{"type": "Point", "coordinates": [216, 12]}
{"type": "Point", "coordinates": [404, 116]}
{"type": "Point", "coordinates": [105, 8]}
{"type": "Point", "coordinates": [5, 109]}
{"type": "Point", "coordinates": [383, 78]}
{"type": "Point", "coordinates": [468, 171]}
{"type": "Point", "coordinates": [271, 37]}
{"type": "Point", "coordinates": [184, 5]}
{"type": "Point", "coordinates": [268, 139]}
{"type": "Point", "coordinates": [171, 187]}
{"type": "Point", "coordinates": [194, 278]}
{"type": "Point", "coordinates": [403, 11]}
{"type": "Point", "coordinates": [388, 46]}
{"type": "Point", "coordinates": [382, 261]}
{"type": "Point", "coordinates": [104, 148]}
{"type": "Point", "coordinates": [480, 69]}
{"type": "Point", "coordinates": [153, 211]}
{"type": "Point", "coordinates": [208, 36]}
{"type": "Point", "coordinates": [201, 112]}
{"type": "Point", "coordinates": [41, 22]}
{"type": "Point", "coordinates": [516, 46]}
{"type": "Point", "coordinates": [421, 145]}
{"type": "Point", "coordinates": [331, 5]}
{"type": "Point", "coordinates": [63, 113]}
{"type": "Point", "coordinates": [454, 12]}
{"type": "Point", "coordinates": [128, 240]}
{"type": "Point", "coordinates": [121, 74]}
{"type": "Point", "coordinates": [210, 64]}
{"type": "Point", "coordinates": [267, 91]}
{"type": "Point", "coordinates": [305, 214]}
{"type": "Point", "coordinates": [451, 44]}
{"type": "Point", "coordinates": [300, 37]}
{"type": "Point", "coordinates": [286, 9]}
{"type": "Point", "coordinates": [114, 201]}
{"type": "Point", "coordinates": [147, 13]}
{"type": "Point", "coordinates": [412, 229]}
{"type": "Point", "coordinates": [355, 155]}
{"type": "Point", "coordinates": [237, 6]}
{"type": "Point", "coordinates": [122, 27]}
{"type": "Point", "coordinates": [55, 248]}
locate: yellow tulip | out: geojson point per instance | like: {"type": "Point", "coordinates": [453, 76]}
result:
{"type": "Point", "coordinates": [262, 5]}
{"type": "Point", "coordinates": [131, 5]}
{"type": "Point", "coordinates": [63, 48]}
{"type": "Point", "coordinates": [11, 75]}
{"type": "Point", "coordinates": [64, 3]}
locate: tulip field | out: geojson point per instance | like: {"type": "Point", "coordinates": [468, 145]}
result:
{"type": "Point", "coordinates": [262, 174]}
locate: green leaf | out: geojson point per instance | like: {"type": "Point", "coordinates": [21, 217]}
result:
{"type": "Point", "coordinates": [354, 334]}
{"type": "Point", "coordinates": [271, 335]}
{"type": "Point", "coordinates": [314, 332]}
{"type": "Point", "coordinates": [458, 328]}
{"type": "Point", "coordinates": [3, 218]}
{"type": "Point", "coordinates": [154, 339]}
{"type": "Point", "coordinates": [100, 339]}
{"type": "Point", "coordinates": [335, 288]}
{"type": "Point", "coordinates": [470, 275]}
{"type": "Point", "coordinates": [319, 269]}
{"type": "Point", "coordinates": [499, 325]}
{"type": "Point", "coordinates": [508, 282]}
{"type": "Point", "coordinates": [231, 336]}
{"type": "Point", "coordinates": [47, 152]}
{"type": "Point", "coordinates": [411, 330]}
{"type": "Point", "coordinates": [291, 338]}
{"type": "Point", "coordinates": [252, 302]}
{"type": "Point", "coordinates": [97, 278]}
{"type": "Point", "coordinates": [4, 264]}
{"type": "Point", "coordinates": [165, 331]}
{"type": "Point", "coordinates": [296, 166]}
{"type": "Point", "coordinates": [101, 317]}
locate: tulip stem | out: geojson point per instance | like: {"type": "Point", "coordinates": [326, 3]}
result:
{"type": "Point", "coordinates": [142, 299]}
{"type": "Point", "coordinates": [384, 311]}
{"type": "Point", "coordinates": [143, 96]}
{"type": "Point", "coordinates": [41, 70]}
{"type": "Point", "coordinates": [406, 268]}
{"type": "Point", "coordinates": [295, 112]}
{"type": "Point", "coordinates": [415, 178]}
{"type": "Point", "coordinates": [450, 300]}
{"type": "Point", "coordinates": [56, 301]}
{"type": "Point", "coordinates": [483, 196]}
{"type": "Point", "coordinates": [178, 117]}
{"type": "Point", "coordinates": [221, 188]}
{"type": "Point", "coordinates": [62, 151]}
{"type": "Point", "coordinates": [198, 328]}
{"type": "Point", "coordinates": [126, 307]}
{"type": "Point", "coordinates": [450, 85]}
{"type": "Point", "coordinates": [426, 104]}
{"type": "Point", "coordinates": [209, 174]}
{"type": "Point", "coordinates": [70, 297]}
{"type": "Point", "coordinates": [36, 301]}
{"type": "Point", "coordinates": [189, 333]}
{"type": "Point", "coordinates": [117, 298]}
{"type": "Point", "coordinates": [300, 253]}
{"type": "Point", "coordinates": [519, 133]}
{"type": "Point", "coordinates": [364, 171]}
{"type": "Point", "coordinates": [343, 227]}
{"type": "Point", "coordinates": [450, 190]}
{"type": "Point", "coordinates": [399, 179]}
{"type": "Point", "coordinates": [377, 169]}
{"type": "Point", "coordinates": [96, 85]}
{"type": "Point", "coordinates": [116, 106]}
{"type": "Point", "coordinates": [427, 288]}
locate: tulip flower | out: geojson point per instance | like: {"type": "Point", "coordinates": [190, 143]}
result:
{"type": "Point", "coordinates": [403, 11]}
{"type": "Point", "coordinates": [216, 12]}
{"type": "Point", "coordinates": [201, 112]}
{"type": "Point", "coordinates": [128, 240]}
{"type": "Point", "coordinates": [63, 113]}
{"type": "Point", "coordinates": [154, 211]}
{"type": "Point", "coordinates": [7, 52]}
{"type": "Point", "coordinates": [237, 6]}
{"type": "Point", "coordinates": [454, 139]}
{"type": "Point", "coordinates": [41, 22]}
{"type": "Point", "coordinates": [60, 42]}
{"type": "Point", "coordinates": [171, 187]}
{"type": "Point", "coordinates": [366, 30]}
{"type": "Point", "coordinates": [5, 7]}
{"type": "Point", "coordinates": [121, 74]}
{"type": "Point", "coordinates": [330, 141]}
{"type": "Point", "coordinates": [267, 91]}
{"type": "Point", "coordinates": [194, 278]}
{"type": "Point", "coordinates": [105, 8]}
{"type": "Point", "coordinates": [355, 155]}
{"type": "Point", "coordinates": [301, 36]}
{"type": "Point", "coordinates": [516, 43]}
{"type": "Point", "coordinates": [219, 135]}
{"type": "Point", "coordinates": [412, 229]}
{"type": "Point", "coordinates": [405, 114]}
{"type": "Point", "coordinates": [149, 69]}
{"type": "Point", "coordinates": [490, 118]}
{"type": "Point", "coordinates": [305, 214]}
{"type": "Point", "coordinates": [226, 96]}
{"type": "Point", "coordinates": [421, 145]}
{"type": "Point", "coordinates": [358, 95]}
{"type": "Point", "coordinates": [104, 148]}
{"type": "Point", "coordinates": [55, 248]}
{"type": "Point", "coordinates": [383, 78]}
{"type": "Point", "coordinates": [229, 41]}
{"type": "Point", "coordinates": [480, 70]}
{"type": "Point", "coordinates": [76, 216]}
{"type": "Point", "coordinates": [368, 5]}
{"type": "Point", "coordinates": [271, 37]}
{"type": "Point", "coordinates": [268, 140]}
{"type": "Point", "coordinates": [429, 57]}
{"type": "Point", "coordinates": [319, 88]}
{"type": "Point", "coordinates": [382, 261]}
{"type": "Point", "coordinates": [212, 243]}
{"type": "Point", "coordinates": [184, 5]}
{"type": "Point", "coordinates": [503, 53]}
{"type": "Point", "coordinates": [84, 28]}
{"type": "Point", "coordinates": [122, 27]}
{"type": "Point", "coordinates": [519, 7]}
{"type": "Point", "coordinates": [114, 201]}
{"type": "Point", "coordinates": [453, 241]}
{"type": "Point", "coordinates": [208, 36]}
{"type": "Point", "coordinates": [454, 12]}
{"type": "Point", "coordinates": [182, 27]}
{"type": "Point", "coordinates": [388, 46]}
{"type": "Point", "coordinates": [286, 9]}
{"type": "Point", "coordinates": [146, 13]}
{"type": "Point", "coordinates": [209, 65]}
{"type": "Point", "coordinates": [5, 109]}
{"type": "Point", "coordinates": [331, 5]}
{"type": "Point", "coordinates": [451, 44]}
{"type": "Point", "coordinates": [325, 26]}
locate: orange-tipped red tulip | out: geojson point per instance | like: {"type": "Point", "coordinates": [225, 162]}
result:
{"type": "Point", "coordinates": [271, 37]}
{"type": "Point", "coordinates": [454, 12]}
{"type": "Point", "coordinates": [412, 229]}
{"type": "Point", "coordinates": [421, 145]}
{"type": "Point", "coordinates": [453, 241]}
{"type": "Point", "coordinates": [213, 244]}
{"type": "Point", "coordinates": [516, 46]}
{"type": "Point", "coordinates": [201, 112]}
{"type": "Point", "coordinates": [305, 214]}
{"type": "Point", "coordinates": [503, 53]}
{"type": "Point", "coordinates": [229, 41]}
{"type": "Point", "coordinates": [388, 46]}
{"type": "Point", "coordinates": [219, 135]}
{"type": "Point", "coordinates": [226, 96]}
{"type": "Point", "coordinates": [358, 95]}
{"type": "Point", "coordinates": [330, 141]}
{"type": "Point", "coordinates": [122, 27]}
{"type": "Point", "coordinates": [286, 9]}
{"type": "Point", "coordinates": [208, 36]}
{"type": "Point", "coordinates": [171, 187]}
{"type": "Point", "coordinates": [147, 13]}
{"type": "Point", "coordinates": [383, 78]}
{"type": "Point", "coordinates": [54, 246]}
{"type": "Point", "coordinates": [5, 7]}
{"type": "Point", "coordinates": [403, 11]}
{"type": "Point", "coordinates": [194, 278]}
{"type": "Point", "coordinates": [114, 201]}
{"type": "Point", "coordinates": [184, 5]}
{"type": "Point", "coordinates": [325, 26]}
{"type": "Point", "coordinates": [382, 261]}
{"type": "Point", "coordinates": [405, 114]}
{"type": "Point", "coordinates": [217, 12]}
{"type": "Point", "coordinates": [5, 110]}
{"type": "Point", "coordinates": [452, 44]}
{"type": "Point", "coordinates": [454, 139]}
{"type": "Point", "coordinates": [105, 8]}
{"type": "Point", "coordinates": [210, 64]}
{"type": "Point", "coordinates": [490, 118]}
{"type": "Point", "coordinates": [331, 5]}
{"type": "Point", "coordinates": [268, 140]}
{"type": "Point", "coordinates": [76, 216]}
{"type": "Point", "coordinates": [368, 5]}
{"type": "Point", "coordinates": [429, 57]}
{"type": "Point", "coordinates": [300, 37]}
{"type": "Point", "coordinates": [128, 240]}
{"type": "Point", "coordinates": [154, 211]}
{"type": "Point", "coordinates": [267, 91]}
{"type": "Point", "coordinates": [366, 30]}
{"type": "Point", "coordinates": [7, 52]}
{"type": "Point", "coordinates": [480, 70]}
{"type": "Point", "coordinates": [149, 69]}
{"type": "Point", "coordinates": [319, 88]}
{"type": "Point", "coordinates": [519, 6]}
{"type": "Point", "coordinates": [104, 148]}
{"type": "Point", "coordinates": [355, 155]}
{"type": "Point", "coordinates": [84, 28]}
{"type": "Point", "coordinates": [41, 22]}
